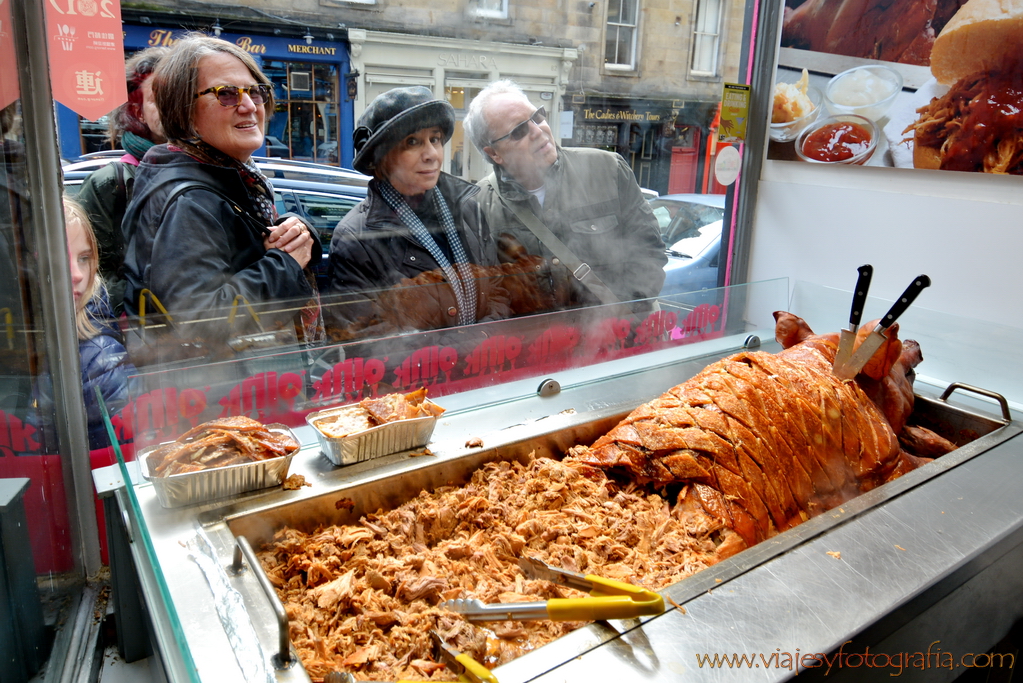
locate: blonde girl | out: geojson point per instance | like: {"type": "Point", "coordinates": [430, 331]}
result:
{"type": "Point", "coordinates": [104, 361]}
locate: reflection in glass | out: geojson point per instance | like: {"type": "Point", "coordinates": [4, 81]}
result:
{"type": "Point", "coordinates": [705, 37]}
{"type": "Point", "coordinates": [306, 122]}
{"type": "Point", "coordinates": [28, 438]}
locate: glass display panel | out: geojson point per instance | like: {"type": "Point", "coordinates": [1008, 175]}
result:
{"type": "Point", "coordinates": [280, 382]}
{"type": "Point", "coordinates": [168, 610]}
{"type": "Point", "coordinates": [28, 440]}
{"type": "Point", "coordinates": [953, 350]}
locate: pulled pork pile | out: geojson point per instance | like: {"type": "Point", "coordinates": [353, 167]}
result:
{"type": "Point", "coordinates": [362, 598]}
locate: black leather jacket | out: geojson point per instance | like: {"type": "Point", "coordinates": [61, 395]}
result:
{"type": "Point", "coordinates": [201, 249]}
{"type": "Point", "coordinates": [372, 250]}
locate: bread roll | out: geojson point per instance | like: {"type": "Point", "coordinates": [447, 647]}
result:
{"type": "Point", "coordinates": [977, 38]}
{"type": "Point", "coordinates": [925, 157]}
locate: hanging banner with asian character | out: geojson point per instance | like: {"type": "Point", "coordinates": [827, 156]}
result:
{"type": "Point", "coordinates": [8, 64]}
{"type": "Point", "coordinates": [86, 55]}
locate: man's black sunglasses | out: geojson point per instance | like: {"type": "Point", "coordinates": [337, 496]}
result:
{"type": "Point", "coordinates": [520, 131]}
{"type": "Point", "coordinates": [231, 95]}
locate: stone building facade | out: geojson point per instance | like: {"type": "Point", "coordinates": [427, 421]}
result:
{"type": "Point", "coordinates": [641, 77]}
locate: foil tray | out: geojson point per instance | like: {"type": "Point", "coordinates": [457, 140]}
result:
{"type": "Point", "coordinates": [190, 488]}
{"type": "Point", "coordinates": [375, 442]}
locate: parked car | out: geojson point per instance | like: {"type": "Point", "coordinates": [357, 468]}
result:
{"type": "Point", "coordinates": [691, 229]}
{"type": "Point", "coordinates": [320, 194]}
{"type": "Point", "coordinates": [327, 151]}
{"type": "Point", "coordinates": [276, 148]}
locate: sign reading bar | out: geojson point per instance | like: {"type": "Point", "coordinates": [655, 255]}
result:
{"type": "Point", "coordinates": [734, 112]}
{"type": "Point", "coordinates": [86, 55]}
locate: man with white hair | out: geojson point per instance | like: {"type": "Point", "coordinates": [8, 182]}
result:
{"type": "Point", "coordinates": [580, 209]}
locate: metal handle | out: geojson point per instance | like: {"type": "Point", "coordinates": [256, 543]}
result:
{"type": "Point", "coordinates": [283, 658]}
{"type": "Point", "coordinates": [1006, 417]}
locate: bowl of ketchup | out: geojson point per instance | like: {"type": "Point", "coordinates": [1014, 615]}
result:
{"type": "Point", "coordinates": [843, 139]}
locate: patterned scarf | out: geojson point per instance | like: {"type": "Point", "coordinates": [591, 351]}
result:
{"type": "Point", "coordinates": [135, 145]}
{"type": "Point", "coordinates": [261, 195]}
{"type": "Point", "coordinates": [462, 282]}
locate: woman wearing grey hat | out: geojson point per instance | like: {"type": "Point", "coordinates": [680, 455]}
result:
{"type": "Point", "coordinates": [417, 250]}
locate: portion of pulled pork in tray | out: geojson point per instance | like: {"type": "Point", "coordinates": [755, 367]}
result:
{"type": "Point", "coordinates": [219, 443]}
{"type": "Point", "coordinates": [372, 412]}
{"type": "Point", "coordinates": [362, 598]}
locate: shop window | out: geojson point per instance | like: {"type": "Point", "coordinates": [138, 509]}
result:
{"type": "Point", "coordinates": [494, 9]}
{"type": "Point", "coordinates": [706, 37]}
{"type": "Point", "coordinates": [94, 134]}
{"type": "Point", "coordinates": [620, 40]}
{"type": "Point", "coordinates": [305, 120]}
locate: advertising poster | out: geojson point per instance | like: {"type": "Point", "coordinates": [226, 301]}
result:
{"type": "Point", "coordinates": [939, 85]}
{"type": "Point", "coordinates": [86, 55]}
{"type": "Point", "coordinates": [734, 112]}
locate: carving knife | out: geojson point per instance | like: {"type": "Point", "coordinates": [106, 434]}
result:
{"type": "Point", "coordinates": [848, 338]}
{"type": "Point", "coordinates": [876, 337]}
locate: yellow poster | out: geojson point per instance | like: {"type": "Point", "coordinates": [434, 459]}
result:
{"type": "Point", "coordinates": [734, 112]}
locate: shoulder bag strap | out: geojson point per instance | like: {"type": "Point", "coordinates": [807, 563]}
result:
{"type": "Point", "coordinates": [580, 270]}
{"type": "Point", "coordinates": [251, 221]}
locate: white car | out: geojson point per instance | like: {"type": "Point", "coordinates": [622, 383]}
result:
{"type": "Point", "coordinates": [691, 227]}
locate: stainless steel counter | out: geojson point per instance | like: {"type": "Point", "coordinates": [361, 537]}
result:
{"type": "Point", "coordinates": [898, 568]}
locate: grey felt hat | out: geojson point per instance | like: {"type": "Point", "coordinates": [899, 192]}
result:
{"type": "Point", "coordinates": [393, 115]}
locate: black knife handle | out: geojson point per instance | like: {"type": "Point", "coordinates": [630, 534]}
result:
{"type": "Point", "coordinates": [860, 293]}
{"type": "Point", "coordinates": [912, 292]}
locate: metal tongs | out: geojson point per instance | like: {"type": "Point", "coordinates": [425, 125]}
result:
{"type": "Point", "coordinates": [467, 668]}
{"type": "Point", "coordinates": [609, 599]}
{"type": "Point", "coordinates": [877, 336]}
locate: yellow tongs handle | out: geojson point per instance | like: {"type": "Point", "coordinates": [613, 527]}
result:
{"type": "Point", "coordinates": [474, 671]}
{"type": "Point", "coordinates": [610, 600]}
{"type": "Point", "coordinates": [462, 663]}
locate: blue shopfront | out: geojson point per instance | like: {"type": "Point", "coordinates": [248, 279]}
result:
{"type": "Point", "coordinates": [313, 118]}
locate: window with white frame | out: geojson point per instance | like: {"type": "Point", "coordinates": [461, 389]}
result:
{"type": "Point", "coordinates": [620, 41]}
{"type": "Point", "coordinates": [496, 9]}
{"type": "Point", "coordinates": [706, 37]}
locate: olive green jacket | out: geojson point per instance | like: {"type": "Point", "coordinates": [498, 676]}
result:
{"type": "Point", "coordinates": [594, 205]}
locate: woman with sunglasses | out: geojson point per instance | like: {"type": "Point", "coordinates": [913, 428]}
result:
{"type": "Point", "coordinates": [206, 243]}
{"type": "Point", "coordinates": [417, 249]}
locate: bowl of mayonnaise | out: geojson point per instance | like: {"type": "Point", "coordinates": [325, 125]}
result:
{"type": "Point", "coordinates": [866, 91]}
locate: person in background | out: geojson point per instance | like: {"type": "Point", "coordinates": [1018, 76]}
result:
{"type": "Point", "coordinates": [418, 239]}
{"type": "Point", "coordinates": [104, 361]}
{"type": "Point", "coordinates": [204, 237]}
{"type": "Point", "coordinates": [606, 245]}
{"type": "Point", "coordinates": [105, 193]}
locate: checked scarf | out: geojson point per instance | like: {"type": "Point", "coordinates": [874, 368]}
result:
{"type": "Point", "coordinates": [462, 282]}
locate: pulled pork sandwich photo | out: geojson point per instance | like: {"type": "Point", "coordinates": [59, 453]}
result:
{"type": "Point", "coordinates": [978, 124]}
